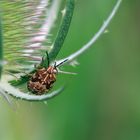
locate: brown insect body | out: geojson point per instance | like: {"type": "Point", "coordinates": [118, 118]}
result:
{"type": "Point", "coordinates": [42, 80]}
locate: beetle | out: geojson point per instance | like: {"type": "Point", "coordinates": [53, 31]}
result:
{"type": "Point", "coordinates": [43, 79]}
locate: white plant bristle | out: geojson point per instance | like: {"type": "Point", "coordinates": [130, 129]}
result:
{"type": "Point", "coordinates": [35, 45]}
{"type": "Point", "coordinates": [74, 63]}
{"type": "Point", "coordinates": [106, 31]}
{"type": "Point", "coordinates": [66, 72]}
{"type": "Point", "coordinates": [63, 11]}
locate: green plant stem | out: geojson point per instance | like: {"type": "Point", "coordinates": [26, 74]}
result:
{"type": "Point", "coordinates": [62, 33]}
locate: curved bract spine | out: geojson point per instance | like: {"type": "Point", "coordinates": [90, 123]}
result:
{"type": "Point", "coordinates": [10, 90]}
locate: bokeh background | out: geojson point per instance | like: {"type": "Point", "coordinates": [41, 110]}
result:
{"type": "Point", "coordinates": [103, 101]}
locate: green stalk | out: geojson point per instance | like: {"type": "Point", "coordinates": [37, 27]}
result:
{"type": "Point", "coordinates": [62, 33]}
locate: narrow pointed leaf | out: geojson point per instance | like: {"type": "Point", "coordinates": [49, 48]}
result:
{"type": "Point", "coordinates": [63, 31]}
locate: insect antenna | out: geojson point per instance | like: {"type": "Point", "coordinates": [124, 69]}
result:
{"type": "Point", "coordinates": [60, 63]}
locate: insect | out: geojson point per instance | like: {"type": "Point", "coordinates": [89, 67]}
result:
{"type": "Point", "coordinates": [42, 80]}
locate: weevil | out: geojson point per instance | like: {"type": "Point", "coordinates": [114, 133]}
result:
{"type": "Point", "coordinates": [43, 79]}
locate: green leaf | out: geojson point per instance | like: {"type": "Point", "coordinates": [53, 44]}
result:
{"type": "Point", "coordinates": [20, 81]}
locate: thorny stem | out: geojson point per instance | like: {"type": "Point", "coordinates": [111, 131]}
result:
{"type": "Point", "coordinates": [95, 37]}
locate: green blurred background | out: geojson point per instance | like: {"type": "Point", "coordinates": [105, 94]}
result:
{"type": "Point", "coordinates": [103, 101]}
